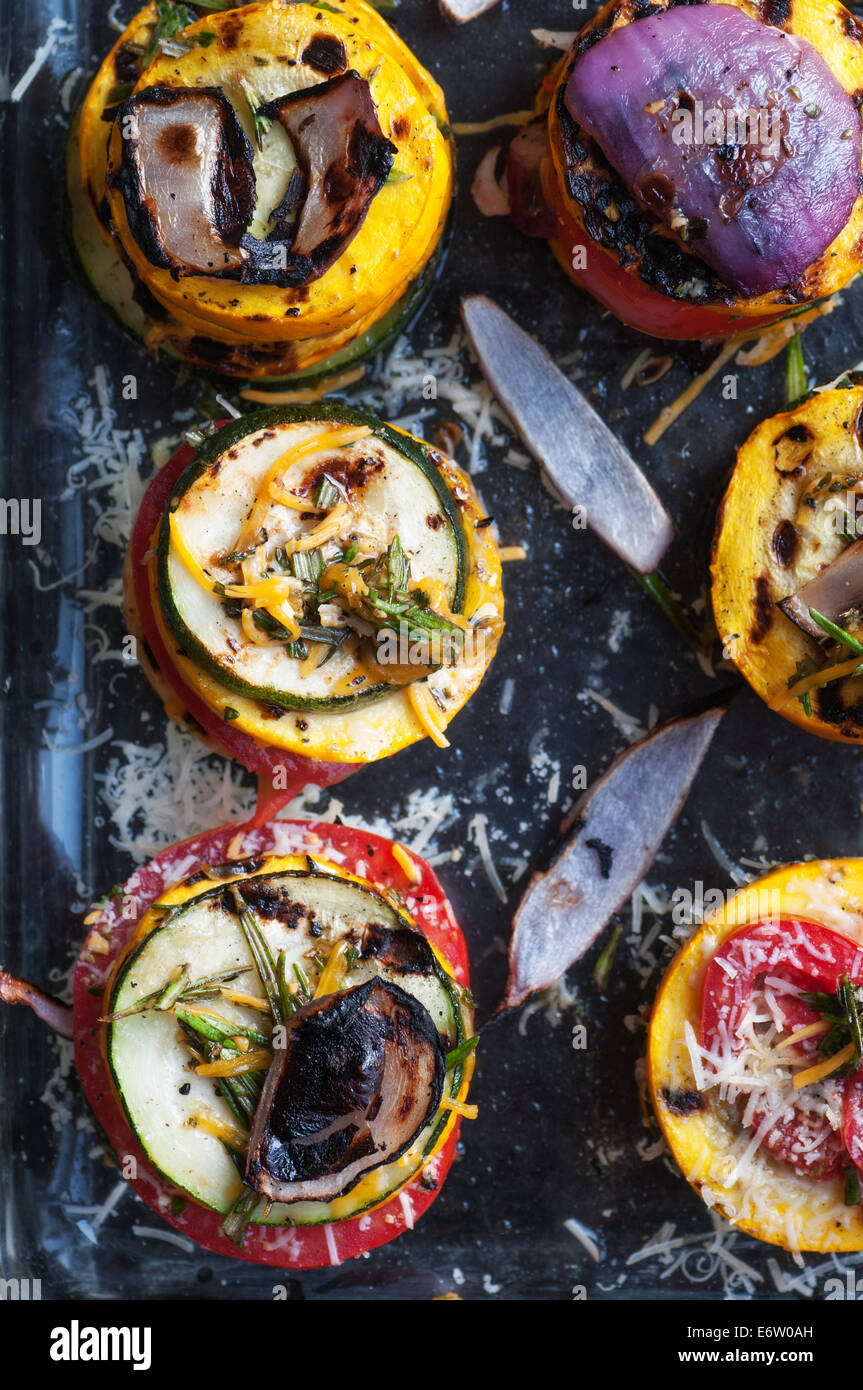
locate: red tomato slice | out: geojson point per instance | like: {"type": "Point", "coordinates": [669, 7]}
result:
{"type": "Point", "coordinates": [852, 1130]}
{"type": "Point", "coordinates": [810, 957]}
{"type": "Point", "coordinates": [369, 855]}
{"type": "Point", "coordinates": [633, 302]}
{"type": "Point", "coordinates": [269, 763]}
{"type": "Point", "coordinates": [803, 953]}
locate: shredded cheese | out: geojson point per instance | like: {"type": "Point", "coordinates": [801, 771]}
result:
{"type": "Point", "coordinates": [406, 862]}
{"type": "Point", "coordinates": [235, 1066]}
{"type": "Point", "coordinates": [467, 1112]}
{"type": "Point", "coordinates": [825, 1068]}
{"type": "Point", "coordinates": [815, 682]}
{"type": "Point", "coordinates": [332, 971]}
{"type": "Point", "coordinates": [428, 712]}
{"type": "Point", "coordinates": [493, 123]}
{"type": "Point", "coordinates": [220, 1129]}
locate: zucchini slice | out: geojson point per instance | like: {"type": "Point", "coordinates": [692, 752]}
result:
{"type": "Point", "coordinates": [330, 932]}
{"type": "Point", "coordinates": [383, 491]}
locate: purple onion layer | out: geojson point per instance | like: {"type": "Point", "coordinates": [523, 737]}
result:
{"type": "Point", "coordinates": [733, 133]}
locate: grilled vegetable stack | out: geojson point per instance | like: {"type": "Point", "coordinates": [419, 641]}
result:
{"type": "Point", "coordinates": [697, 167]}
{"type": "Point", "coordinates": [275, 1030]}
{"type": "Point", "coordinates": [788, 564]}
{"type": "Point", "coordinates": [315, 589]}
{"type": "Point", "coordinates": [755, 1057]}
{"type": "Point", "coordinates": [261, 190]}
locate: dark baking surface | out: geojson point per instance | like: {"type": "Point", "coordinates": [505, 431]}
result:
{"type": "Point", "coordinates": [530, 1162]}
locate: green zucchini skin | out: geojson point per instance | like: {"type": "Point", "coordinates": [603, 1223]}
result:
{"type": "Point", "coordinates": [420, 455]}
{"type": "Point", "coordinates": [377, 907]}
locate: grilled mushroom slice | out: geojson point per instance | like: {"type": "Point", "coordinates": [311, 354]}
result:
{"type": "Point", "coordinates": [344, 158]}
{"type": "Point", "coordinates": [360, 1075]}
{"type": "Point", "coordinates": [836, 591]}
{"type": "Point", "coordinates": [187, 179]}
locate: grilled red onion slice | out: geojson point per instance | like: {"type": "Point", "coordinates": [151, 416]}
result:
{"type": "Point", "coordinates": [734, 133]}
{"type": "Point", "coordinates": [619, 826]}
{"type": "Point", "coordinates": [528, 208]}
{"type": "Point", "coordinates": [57, 1016]}
{"type": "Point", "coordinates": [834, 592]}
{"type": "Point", "coordinates": [344, 158]}
{"type": "Point", "coordinates": [585, 463]}
{"type": "Point", "coordinates": [187, 179]}
{"type": "Point", "coordinates": [360, 1075]}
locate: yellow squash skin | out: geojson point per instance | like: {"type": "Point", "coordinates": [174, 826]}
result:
{"type": "Point", "coordinates": [245, 331]}
{"type": "Point", "coordinates": [829, 892]}
{"type": "Point", "coordinates": [368, 732]}
{"type": "Point", "coordinates": [779, 524]}
{"type": "Point", "coordinates": [838, 37]}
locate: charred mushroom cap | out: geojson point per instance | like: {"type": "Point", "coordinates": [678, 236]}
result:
{"type": "Point", "coordinates": [187, 179]}
{"type": "Point", "coordinates": [344, 159]}
{"type": "Point", "coordinates": [834, 592]}
{"type": "Point", "coordinates": [405, 952]}
{"type": "Point", "coordinates": [360, 1075]}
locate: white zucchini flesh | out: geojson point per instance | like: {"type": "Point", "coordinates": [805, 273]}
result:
{"type": "Point", "coordinates": [152, 1068]}
{"type": "Point", "coordinates": [395, 499]}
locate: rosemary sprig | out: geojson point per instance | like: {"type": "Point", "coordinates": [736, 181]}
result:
{"type": "Point", "coordinates": [848, 996]}
{"type": "Point", "coordinates": [170, 19]}
{"type": "Point", "coordinates": [219, 1030]}
{"type": "Point", "coordinates": [285, 996]}
{"type": "Point", "coordinates": [843, 1011]}
{"type": "Point", "coordinates": [839, 635]}
{"type": "Point", "coordinates": [261, 124]}
{"type": "Point", "coordinates": [261, 955]}
{"type": "Point", "coordinates": [796, 381]}
{"type": "Point", "coordinates": [169, 995]}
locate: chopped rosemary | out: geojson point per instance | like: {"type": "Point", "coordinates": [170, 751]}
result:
{"type": "Point", "coordinates": [260, 123]}
{"type": "Point", "coordinates": [852, 1187]}
{"type": "Point", "coordinates": [240, 1216]}
{"type": "Point", "coordinates": [219, 1030]}
{"type": "Point", "coordinates": [459, 1053]}
{"type": "Point", "coordinates": [307, 565]}
{"type": "Point", "coordinates": [398, 176]}
{"type": "Point", "coordinates": [605, 963]}
{"type": "Point", "coordinates": [327, 495]}
{"type": "Point", "coordinates": [659, 591]}
{"type": "Point", "coordinates": [170, 19]}
{"type": "Point", "coordinates": [285, 996]}
{"type": "Point", "coordinates": [838, 634]}
{"type": "Point", "coordinates": [843, 1011]}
